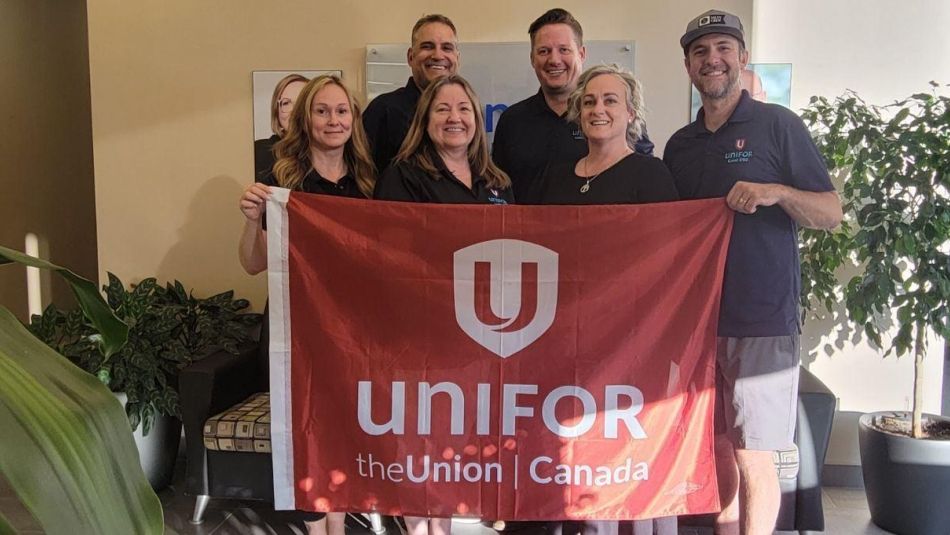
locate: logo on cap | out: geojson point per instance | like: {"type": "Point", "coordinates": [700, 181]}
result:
{"type": "Point", "coordinates": [712, 19]}
{"type": "Point", "coordinates": [505, 293]}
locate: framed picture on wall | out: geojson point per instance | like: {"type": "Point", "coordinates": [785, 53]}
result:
{"type": "Point", "coordinates": [767, 82]}
{"type": "Point", "coordinates": [275, 93]}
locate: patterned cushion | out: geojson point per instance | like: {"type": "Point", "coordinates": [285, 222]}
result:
{"type": "Point", "coordinates": [786, 462]}
{"type": "Point", "coordinates": [243, 427]}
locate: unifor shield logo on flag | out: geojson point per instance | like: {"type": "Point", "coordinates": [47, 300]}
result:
{"type": "Point", "coordinates": [515, 362]}
{"type": "Point", "coordinates": [505, 293]}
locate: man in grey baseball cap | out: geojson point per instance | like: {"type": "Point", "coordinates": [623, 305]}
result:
{"type": "Point", "coordinates": [761, 159]}
{"type": "Point", "coordinates": [713, 21]}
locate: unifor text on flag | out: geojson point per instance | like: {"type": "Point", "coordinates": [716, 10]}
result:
{"type": "Point", "coordinates": [510, 362]}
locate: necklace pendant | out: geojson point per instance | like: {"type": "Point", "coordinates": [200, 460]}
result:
{"type": "Point", "coordinates": [585, 188]}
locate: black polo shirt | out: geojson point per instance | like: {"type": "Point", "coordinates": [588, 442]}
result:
{"type": "Point", "coordinates": [530, 135]}
{"type": "Point", "coordinates": [387, 120]}
{"type": "Point", "coordinates": [763, 143]}
{"type": "Point", "coordinates": [633, 180]}
{"type": "Point", "coordinates": [407, 182]}
{"type": "Point", "coordinates": [314, 183]}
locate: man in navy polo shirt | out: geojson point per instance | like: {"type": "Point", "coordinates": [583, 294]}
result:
{"type": "Point", "coordinates": [760, 157]}
{"type": "Point", "coordinates": [534, 132]}
{"type": "Point", "coordinates": [434, 53]}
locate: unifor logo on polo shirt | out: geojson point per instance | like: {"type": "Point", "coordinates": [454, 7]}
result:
{"type": "Point", "coordinates": [739, 155]}
{"type": "Point", "coordinates": [517, 304]}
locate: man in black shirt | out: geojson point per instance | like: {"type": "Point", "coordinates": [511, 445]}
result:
{"type": "Point", "coordinates": [533, 133]}
{"type": "Point", "coordinates": [434, 53]}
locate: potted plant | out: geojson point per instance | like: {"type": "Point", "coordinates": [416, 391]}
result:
{"type": "Point", "coordinates": [168, 329]}
{"type": "Point", "coordinates": [64, 448]}
{"type": "Point", "coordinates": [895, 164]}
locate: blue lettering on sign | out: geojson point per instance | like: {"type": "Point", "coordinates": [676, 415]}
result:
{"type": "Point", "coordinates": [490, 111]}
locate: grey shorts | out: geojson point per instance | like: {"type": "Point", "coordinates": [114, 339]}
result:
{"type": "Point", "coordinates": [757, 391]}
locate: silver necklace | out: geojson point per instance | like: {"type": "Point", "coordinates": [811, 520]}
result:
{"type": "Point", "coordinates": [586, 186]}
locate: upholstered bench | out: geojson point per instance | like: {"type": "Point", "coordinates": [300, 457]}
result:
{"type": "Point", "coordinates": [243, 427]}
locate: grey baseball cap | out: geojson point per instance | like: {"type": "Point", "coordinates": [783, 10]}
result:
{"type": "Point", "coordinates": [712, 21]}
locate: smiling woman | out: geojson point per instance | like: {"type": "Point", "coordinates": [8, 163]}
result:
{"type": "Point", "coordinates": [608, 106]}
{"type": "Point", "coordinates": [444, 158]}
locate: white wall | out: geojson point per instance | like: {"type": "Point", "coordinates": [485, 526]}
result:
{"type": "Point", "coordinates": [884, 51]}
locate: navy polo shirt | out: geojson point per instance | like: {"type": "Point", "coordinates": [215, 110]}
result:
{"type": "Point", "coordinates": [763, 143]}
{"type": "Point", "coordinates": [387, 120]}
{"type": "Point", "coordinates": [530, 136]}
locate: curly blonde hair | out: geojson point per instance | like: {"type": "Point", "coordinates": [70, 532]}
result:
{"type": "Point", "coordinates": [634, 98]}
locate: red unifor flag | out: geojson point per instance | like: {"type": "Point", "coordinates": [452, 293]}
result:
{"type": "Point", "coordinates": [508, 362]}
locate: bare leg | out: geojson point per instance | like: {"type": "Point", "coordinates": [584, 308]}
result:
{"type": "Point", "coordinates": [727, 472]}
{"type": "Point", "coordinates": [760, 492]}
{"type": "Point", "coordinates": [440, 526]}
{"type": "Point", "coordinates": [416, 525]}
{"type": "Point", "coordinates": [336, 523]}
{"type": "Point", "coordinates": [316, 527]}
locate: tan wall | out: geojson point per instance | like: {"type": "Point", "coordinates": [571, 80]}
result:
{"type": "Point", "coordinates": [46, 176]}
{"type": "Point", "coordinates": [171, 103]}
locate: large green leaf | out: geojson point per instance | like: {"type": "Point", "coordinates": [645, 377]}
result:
{"type": "Point", "coordinates": [114, 332]}
{"type": "Point", "coordinates": [5, 527]}
{"type": "Point", "coordinates": [66, 446]}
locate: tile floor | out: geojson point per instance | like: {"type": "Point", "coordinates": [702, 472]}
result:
{"type": "Point", "coordinates": [846, 513]}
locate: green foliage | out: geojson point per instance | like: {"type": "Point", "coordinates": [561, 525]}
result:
{"type": "Point", "coordinates": [66, 449]}
{"type": "Point", "coordinates": [114, 332]}
{"type": "Point", "coordinates": [168, 329]}
{"type": "Point", "coordinates": [895, 164]}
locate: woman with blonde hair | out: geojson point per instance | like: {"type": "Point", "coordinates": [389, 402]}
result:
{"type": "Point", "coordinates": [444, 158]}
{"type": "Point", "coordinates": [324, 151]}
{"type": "Point", "coordinates": [281, 104]}
{"type": "Point", "coordinates": [608, 106]}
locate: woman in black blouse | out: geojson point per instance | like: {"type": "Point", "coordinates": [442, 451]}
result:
{"type": "Point", "coordinates": [608, 106]}
{"type": "Point", "coordinates": [281, 104]}
{"type": "Point", "coordinates": [444, 158]}
{"type": "Point", "coordinates": [324, 151]}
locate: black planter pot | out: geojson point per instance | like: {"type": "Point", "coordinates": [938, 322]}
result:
{"type": "Point", "coordinates": [907, 480]}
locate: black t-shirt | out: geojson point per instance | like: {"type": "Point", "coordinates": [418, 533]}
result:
{"type": "Point", "coordinates": [387, 120]}
{"type": "Point", "coordinates": [264, 156]}
{"type": "Point", "coordinates": [633, 180]}
{"type": "Point", "coordinates": [530, 136]}
{"type": "Point", "coordinates": [763, 143]}
{"type": "Point", "coordinates": [406, 182]}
